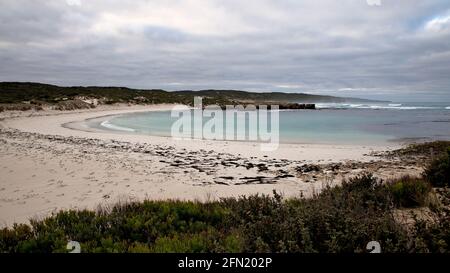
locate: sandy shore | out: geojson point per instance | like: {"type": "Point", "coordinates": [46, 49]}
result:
{"type": "Point", "coordinates": [50, 160]}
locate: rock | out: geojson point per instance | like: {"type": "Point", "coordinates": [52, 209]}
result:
{"type": "Point", "coordinates": [284, 176]}
{"type": "Point", "coordinates": [227, 177]}
{"type": "Point", "coordinates": [307, 168]}
{"type": "Point", "coordinates": [249, 165]}
{"type": "Point", "coordinates": [262, 167]}
{"type": "Point", "coordinates": [221, 183]}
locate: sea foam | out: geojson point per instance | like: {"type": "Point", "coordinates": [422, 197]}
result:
{"type": "Point", "coordinates": [108, 125]}
{"type": "Point", "coordinates": [390, 106]}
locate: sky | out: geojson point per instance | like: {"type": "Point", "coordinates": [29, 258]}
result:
{"type": "Point", "coordinates": [360, 48]}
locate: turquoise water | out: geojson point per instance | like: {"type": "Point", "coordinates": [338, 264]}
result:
{"type": "Point", "coordinates": [331, 123]}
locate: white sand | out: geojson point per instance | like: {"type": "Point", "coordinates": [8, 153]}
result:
{"type": "Point", "coordinates": [39, 176]}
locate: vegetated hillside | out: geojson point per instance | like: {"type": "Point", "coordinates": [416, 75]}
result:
{"type": "Point", "coordinates": [14, 92]}
{"type": "Point", "coordinates": [19, 92]}
{"type": "Point", "coordinates": [269, 96]}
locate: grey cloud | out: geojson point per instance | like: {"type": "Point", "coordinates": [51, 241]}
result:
{"type": "Point", "coordinates": [314, 46]}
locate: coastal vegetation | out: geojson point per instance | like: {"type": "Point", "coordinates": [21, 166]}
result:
{"type": "Point", "coordinates": [408, 214]}
{"type": "Point", "coordinates": [21, 95]}
{"type": "Point", "coordinates": [438, 173]}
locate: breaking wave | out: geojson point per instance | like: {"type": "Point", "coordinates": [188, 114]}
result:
{"type": "Point", "coordinates": [111, 126]}
{"type": "Point", "coordinates": [393, 106]}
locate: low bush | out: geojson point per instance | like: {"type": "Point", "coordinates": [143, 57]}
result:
{"type": "Point", "coordinates": [341, 219]}
{"type": "Point", "coordinates": [438, 171]}
{"type": "Point", "coordinates": [409, 192]}
{"type": "Point", "coordinates": [431, 237]}
{"type": "Point", "coordinates": [124, 227]}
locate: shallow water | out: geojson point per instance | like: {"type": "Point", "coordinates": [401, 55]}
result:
{"type": "Point", "coordinates": [331, 123]}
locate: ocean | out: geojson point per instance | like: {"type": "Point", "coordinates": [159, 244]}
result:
{"type": "Point", "coordinates": [343, 123]}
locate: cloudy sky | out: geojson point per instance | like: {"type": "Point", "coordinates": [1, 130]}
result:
{"type": "Point", "coordinates": [346, 47]}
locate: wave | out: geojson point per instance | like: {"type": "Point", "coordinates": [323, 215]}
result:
{"type": "Point", "coordinates": [402, 107]}
{"type": "Point", "coordinates": [336, 105]}
{"type": "Point", "coordinates": [448, 107]}
{"type": "Point", "coordinates": [392, 106]}
{"type": "Point", "coordinates": [111, 126]}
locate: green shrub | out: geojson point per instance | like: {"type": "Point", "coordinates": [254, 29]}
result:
{"type": "Point", "coordinates": [124, 227]}
{"type": "Point", "coordinates": [409, 192]}
{"type": "Point", "coordinates": [342, 219]}
{"type": "Point", "coordinates": [195, 243]}
{"type": "Point", "coordinates": [339, 219]}
{"type": "Point", "coordinates": [139, 248]}
{"type": "Point", "coordinates": [431, 237]}
{"type": "Point", "coordinates": [438, 171]}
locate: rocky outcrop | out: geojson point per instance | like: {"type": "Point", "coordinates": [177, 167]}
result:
{"type": "Point", "coordinates": [297, 106]}
{"type": "Point", "coordinates": [281, 106]}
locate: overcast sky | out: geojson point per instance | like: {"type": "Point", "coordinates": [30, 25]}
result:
{"type": "Point", "coordinates": [345, 47]}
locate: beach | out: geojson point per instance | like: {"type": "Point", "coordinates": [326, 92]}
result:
{"type": "Point", "coordinates": [50, 160]}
